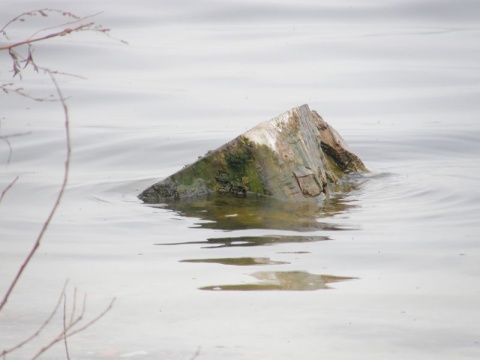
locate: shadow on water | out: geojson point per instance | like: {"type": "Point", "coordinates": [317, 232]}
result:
{"type": "Point", "coordinates": [243, 261]}
{"type": "Point", "coordinates": [224, 212]}
{"type": "Point", "coordinates": [253, 240]}
{"type": "Point", "coordinates": [283, 281]}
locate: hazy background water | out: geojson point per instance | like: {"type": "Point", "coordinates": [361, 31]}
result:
{"type": "Point", "coordinates": [398, 79]}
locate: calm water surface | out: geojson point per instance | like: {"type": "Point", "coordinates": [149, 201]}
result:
{"type": "Point", "coordinates": [387, 270]}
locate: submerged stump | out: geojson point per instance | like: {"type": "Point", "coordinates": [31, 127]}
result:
{"type": "Point", "coordinates": [293, 156]}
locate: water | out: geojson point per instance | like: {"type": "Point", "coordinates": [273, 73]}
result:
{"type": "Point", "coordinates": [388, 270]}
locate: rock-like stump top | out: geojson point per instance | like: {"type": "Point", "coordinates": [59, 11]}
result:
{"type": "Point", "coordinates": [293, 156]}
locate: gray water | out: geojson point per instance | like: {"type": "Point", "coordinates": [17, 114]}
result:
{"type": "Point", "coordinates": [388, 270]}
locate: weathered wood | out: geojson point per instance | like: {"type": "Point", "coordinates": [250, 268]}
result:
{"type": "Point", "coordinates": [294, 156]}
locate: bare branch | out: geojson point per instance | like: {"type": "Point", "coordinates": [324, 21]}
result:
{"type": "Point", "coordinates": [43, 12]}
{"type": "Point", "coordinates": [68, 329]}
{"type": "Point", "coordinates": [49, 36]}
{"type": "Point", "coordinates": [75, 21]}
{"type": "Point", "coordinates": [8, 88]}
{"type": "Point", "coordinates": [94, 320]}
{"type": "Point", "coordinates": [73, 322]}
{"type": "Point", "coordinates": [66, 334]}
{"type": "Point", "coordinates": [90, 26]}
{"type": "Point", "coordinates": [57, 201]}
{"type": "Point", "coordinates": [80, 24]}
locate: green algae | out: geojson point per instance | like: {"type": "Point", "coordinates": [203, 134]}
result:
{"type": "Point", "coordinates": [238, 156]}
{"type": "Point", "coordinates": [235, 169]}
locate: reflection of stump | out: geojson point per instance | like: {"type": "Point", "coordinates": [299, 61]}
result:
{"type": "Point", "coordinates": [294, 156]}
{"type": "Point", "coordinates": [283, 281]}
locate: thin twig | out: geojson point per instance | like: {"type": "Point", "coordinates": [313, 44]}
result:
{"type": "Point", "coordinates": [72, 315]}
{"type": "Point", "coordinates": [68, 329]}
{"type": "Point", "coordinates": [65, 325]}
{"type": "Point", "coordinates": [20, 91]}
{"type": "Point", "coordinates": [92, 26]}
{"type": "Point", "coordinates": [42, 12]}
{"type": "Point", "coordinates": [41, 328]}
{"type": "Point", "coordinates": [49, 36]}
{"type": "Point", "coordinates": [10, 150]}
{"type": "Point", "coordinates": [57, 201]}
{"type": "Point", "coordinates": [94, 320]}
{"type": "Point", "coordinates": [9, 186]}
{"type": "Point", "coordinates": [64, 24]}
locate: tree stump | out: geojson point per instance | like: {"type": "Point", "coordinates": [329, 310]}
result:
{"type": "Point", "coordinates": [293, 157]}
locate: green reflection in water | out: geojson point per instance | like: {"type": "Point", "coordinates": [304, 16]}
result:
{"type": "Point", "coordinates": [253, 240]}
{"type": "Point", "coordinates": [283, 281]}
{"type": "Point", "coordinates": [243, 261]}
{"type": "Point", "coordinates": [227, 212]}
